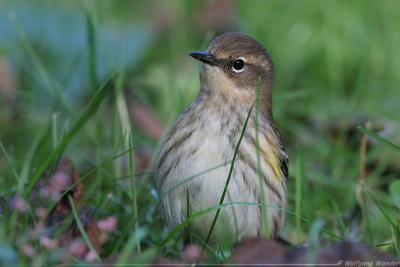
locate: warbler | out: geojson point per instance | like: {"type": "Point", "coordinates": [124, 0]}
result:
{"type": "Point", "coordinates": [196, 158]}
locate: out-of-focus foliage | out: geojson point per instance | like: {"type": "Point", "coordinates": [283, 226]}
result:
{"type": "Point", "coordinates": [337, 67]}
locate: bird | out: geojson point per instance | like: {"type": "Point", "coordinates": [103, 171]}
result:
{"type": "Point", "coordinates": [223, 134]}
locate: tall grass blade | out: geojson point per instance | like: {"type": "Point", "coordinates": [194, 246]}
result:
{"type": "Point", "coordinates": [379, 138]}
{"type": "Point", "coordinates": [201, 241]}
{"type": "Point", "coordinates": [56, 153]}
{"type": "Point", "coordinates": [221, 201]}
{"type": "Point", "coordinates": [395, 227]}
{"type": "Point", "coordinates": [122, 125]}
{"type": "Point", "coordinates": [133, 188]}
{"type": "Point", "coordinates": [81, 228]}
{"type": "Point", "coordinates": [361, 196]}
{"type": "Point", "coordinates": [314, 233]}
{"type": "Point", "coordinates": [91, 49]}
{"type": "Point", "coordinates": [396, 239]}
{"type": "Point", "coordinates": [122, 108]}
{"type": "Point", "coordinates": [189, 230]}
{"type": "Point", "coordinates": [144, 258]}
{"type": "Point", "coordinates": [342, 227]}
{"type": "Point", "coordinates": [107, 162]}
{"type": "Point", "coordinates": [203, 212]}
{"type": "Point", "coordinates": [264, 212]}
{"type": "Point", "coordinates": [158, 200]}
{"type": "Point", "coordinates": [299, 178]}
{"type": "Point", "coordinates": [54, 130]}
{"type": "Point", "coordinates": [384, 213]}
{"type": "Point", "coordinates": [26, 167]}
{"type": "Point", "coordinates": [130, 245]}
{"type": "Point", "coordinates": [181, 227]}
{"type": "Point", "coordinates": [10, 162]}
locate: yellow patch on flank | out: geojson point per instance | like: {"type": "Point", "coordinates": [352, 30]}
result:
{"type": "Point", "coordinates": [270, 149]}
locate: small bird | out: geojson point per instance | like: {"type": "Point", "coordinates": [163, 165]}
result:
{"type": "Point", "coordinates": [196, 157]}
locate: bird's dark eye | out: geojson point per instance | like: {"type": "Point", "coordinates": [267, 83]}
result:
{"type": "Point", "coordinates": [238, 65]}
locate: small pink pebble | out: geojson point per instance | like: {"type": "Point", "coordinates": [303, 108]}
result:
{"type": "Point", "coordinates": [28, 250]}
{"type": "Point", "coordinates": [47, 242]}
{"type": "Point", "coordinates": [60, 181]}
{"type": "Point", "coordinates": [91, 256]}
{"type": "Point", "coordinates": [19, 204]}
{"type": "Point", "coordinates": [191, 253]}
{"type": "Point", "coordinates": [107, 224]}
{"type": "Point", "coordinates": [77, 248]}
{"type": "Point", "coordinates": [40, 212]}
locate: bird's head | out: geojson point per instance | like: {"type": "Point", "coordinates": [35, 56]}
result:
{"type": "Point", "coordinates": [236, 66]}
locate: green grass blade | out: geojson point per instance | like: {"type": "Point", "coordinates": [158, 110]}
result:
{"type": "Point", "coordinates": [107, 162]}
{"type": "Point", "coordinates": [54, 130]}
{"type": "Point", "coordinates": [10, 162]}
{"type": "Point", "coordinates": [304, 220]}
{"type": "Point", "coordinates": [392, 223]}
{"type": "Point", "coordinates": [201, 241]}
{"type": "Point", "coordinates": [155, 202]}
{"type": "Point", "coordinates": [189, 230]}
{"type": "Point", "coordinates": [379, 138]}
{"type": "Point", "coordinates": [382, 210]}
{"type": "Point", "coordinates": [314, 233]}
{"type": "Point", "coordinates": [203, 212]}
{"type": "Point", "coordinates": [394, 190]}
{"type": "Point", "coordinates": [87, 174]}
{"type": "Point", "coordinates": [235, 220]}
{"type": "Point", "coordinates": [342, 227]}
{"type": "Point", "coordinates": [56, 153]}
{"type": "Point", "coordinates": [144, 258]}
{"type": "Point", "coordinates": [181, 227]}
{"type": "Point", "coordinates": [158, 200]}
{"type": "Point", "coordinates": [299, 178]}
{"type": "Point", "coordinates": [91, 49]}
{"type": "Point", "coordinates": [133, 188]}
{"type": "Point", "coordinates": [264, 212]}
{"type": "Point", "coordinates": [396, 238]}
{"type": "Point", "coordinates": [221, 201]}
{"type": "Point", "coordinates": [82, 229]}
{"type": "Point", "coordinates": [122, 125]}
{"type": "Point", "coordinates": [130, 245]}
{"type": "Point", "coordinates": [26, 167]}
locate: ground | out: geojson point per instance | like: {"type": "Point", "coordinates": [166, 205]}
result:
{"type": "Point", "coordinates": [97, 87]}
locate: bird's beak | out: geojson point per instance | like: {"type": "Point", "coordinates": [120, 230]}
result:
{"type": "Point", "coordinates": [205, 57]}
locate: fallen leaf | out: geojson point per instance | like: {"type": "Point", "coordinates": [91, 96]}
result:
{"type": "Point", "coordinates": [216, 16]}
{"type": "Point", "coordinates": [7, 81]}
{"type": "Point", "coordinates": [261, 251]}
{"type": "Point", "coordinates": [144, 117]}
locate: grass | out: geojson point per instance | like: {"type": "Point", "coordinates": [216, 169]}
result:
{"type": "Point", "coordinates": [82, 229]}
{"type": "Point", "coordinates": [298, 194]}
{"type": "Point", "coordinates": [228, 179]}
{"type": "Point", "coordinates": [57, 152]}
{"type": "Point", "coordinates": [337, 67]}
{"type": "Point", "coordinates": [264, 212]}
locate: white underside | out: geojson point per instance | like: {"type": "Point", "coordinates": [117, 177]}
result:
{"type": "Point", "coordinates": [214, 149]}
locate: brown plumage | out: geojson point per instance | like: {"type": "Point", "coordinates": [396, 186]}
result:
{"type": "Point", "coordinates": [205, 136]}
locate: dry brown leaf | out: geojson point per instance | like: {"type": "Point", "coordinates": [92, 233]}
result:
{"type": "Point", "coordinates": [260, 251]}
{"type": "Point", "coordinates": [63, 183]}
{"type": "Point", "coordinates": [216, 16]}
{"type": "Point", "coordinates": [7, 81]}
{"type": "Point", "coordinates": [144, 117]}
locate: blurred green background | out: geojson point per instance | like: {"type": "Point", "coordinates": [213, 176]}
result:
{"type": "Point", "coordinates": [337, 67]}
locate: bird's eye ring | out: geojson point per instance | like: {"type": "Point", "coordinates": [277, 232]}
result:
{"type": "Point", "coordinates": [238, 65]}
